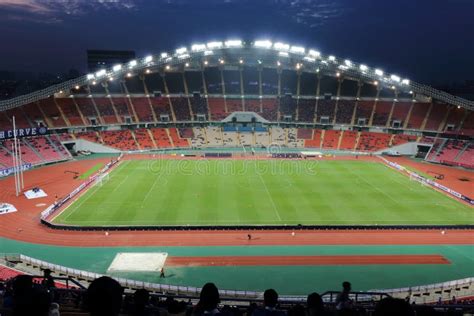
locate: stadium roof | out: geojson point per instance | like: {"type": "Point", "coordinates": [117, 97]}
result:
{"type": "Point", "coordinates": [259, 53]}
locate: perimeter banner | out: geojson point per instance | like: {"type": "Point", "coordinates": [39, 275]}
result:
{"type": "Point", "coordinates": [23, 132]}
{"type": "Point", "coordinates": [8, 171]}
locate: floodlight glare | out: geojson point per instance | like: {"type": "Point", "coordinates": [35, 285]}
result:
{"type": "Point", "coordinates": [117, 67]}
{"type": "Point", "coordinates": [181, 50]}
{"type": "Point", "coordinates": [241, 61]}
{"type": "Point", "coordinates": [298, 66]}
{"type": "Point", "coordinates": [214, 45]}
{"type": "Point", "coordinates": [100, 73]}
{"type": "Point", "coordinates": [208, 52]}
{"type": "Point", "coordinates": [164, 55]}
{"type": "Point", "coordinates": [406, 81]}
{"type": "Point", "coordinates": [376, 83]}
{"type": "Point", "coordinates": [94, 83]}
{"type": "Point", "coordinates": [167, 67]}
{"type": "Point", "coordinates": [263, 44]}
{"type": "Point", "coordinates": [186, 65]}
{"type": "Point", "coordinates": [395, 78]}
{"type": "Point", "coordinates": [363, 67]}
{"type": "Point", "coordinates": [183, 56]}
{"type": "Point", "coordinates": [314, 53]}
{"type": "Point", "coordinates": [332, 58]}
{"type": "Point", "coordinates": [283, 54]}
{"type": "Point", "coordinates": [133, 63]}
{"type": "Point", "coordinates": [278, 63]}
{"type": "Point", "coordinates": [77, 87]}
{"type": "Point", "coordinates": [90, 76]}
{"type": "Point", "coordinates": [148, 71]}
{"type": "Point", "coordinates": [310, 59]}
{"type": "Point", "coordinates": [206, 62]}
{"type": "Point", "coordinates": [198, 47]}
{"type": "Point", "coordinates": [281, 46]}
{"type": "Point", "coordinates": [148, 59]}
{"type": "Point", "coordinates": [233, 43]}
{"type": "Point", "coordinates": [348, 63]}
{"type": "Point", "coordinates": [378, 72]}
{"type": "Point", "coordinates": [297, 49]}
{"type": "Point", "coordinates": [129, 75]}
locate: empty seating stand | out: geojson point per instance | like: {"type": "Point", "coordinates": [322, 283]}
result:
{"type": "Point", "coordinates": [143, 139]}
{"type": "Point", "coordinates": [345, 109]}
{"type": "Point", "coordinates": [70, 111]}
{"type": "Point", "coordinates": [370, 141]}
{"type": "Point", "coordinates": [381, 113]}
{"type": "Point", "coordinates": [106, 110]}
{"type": "Point", "coordinates": [161, 137]}
{"type": "Point", "coordinates": [177, 140]}
{"type": "Point", "coordinates": [348, 141]}
{"type": "Point", "coordinates": [437, 114]}
{"type": "Point", "coordinates": [217, 108]}
{"type": "Point", "coordinates": [143, 109]}
{"type": "Point", "coordinates": [122, 140]}
{"type": "Point", "coordinates": [51, 111]}
{"type": "Point", "coordinates": [418, 114]}
{"type": "Point", "coordinates": [315, 142]}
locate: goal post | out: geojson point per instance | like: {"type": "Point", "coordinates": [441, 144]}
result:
{"type": "Point", "coordinates": [101, 179]}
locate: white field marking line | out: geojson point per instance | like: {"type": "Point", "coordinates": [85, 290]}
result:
{"type": "Point", "coordinates": [377, 189]}
{"type": "Point", "coordinates": [93, 186]}
{"type": "Point", "coordinates": [151, 188]}
{"type": "Point", "coordinates": [270, 196]}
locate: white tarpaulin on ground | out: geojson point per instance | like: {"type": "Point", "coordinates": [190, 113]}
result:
{"type": "Point", "coordinates": [6, 208]}
{"type": "Point", "coordinates": [138, 261]}
{"type": "Point", "coordinates": [35, 194]}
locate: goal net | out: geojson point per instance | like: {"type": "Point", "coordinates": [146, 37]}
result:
{"type": "Point", "coordinates": [101, 179]}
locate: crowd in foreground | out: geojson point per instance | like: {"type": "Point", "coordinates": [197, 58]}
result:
{"type": "Point", "coordinates": [22, 296]}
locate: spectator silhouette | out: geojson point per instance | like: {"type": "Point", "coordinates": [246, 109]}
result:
{"type": "Point", "coordinates": [270, 300]}
{"type": "Point", "coordinates": [208, 300]}
{"type": "Point", "coordinates": [314, 304]}
{"type": "Point", "coordinates": [343, 301]}
{"type": "Point", "coordinates": [141, 304]}
{"type": "Point", "coordinates": [104, 297]}
{"type": "Point", "coordinates": [28, 299]}
{"type": "Point", "coordinates": [393, 307]}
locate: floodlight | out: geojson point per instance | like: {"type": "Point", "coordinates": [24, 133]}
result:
{"type": "Point", "coordinates": [378, 72]}
{"type": "Point", "coordinates": [297, 49]}
{"type": "Point", "coordinates": [198, 47]}
{"type": "Point", "coordinates": [314, 53]}
{"type": "Point", "coordinates": [117, 67]}
{"type": "Point", "coordinates": [298, 66]}
{"type": "Point", "coordinates": [363, 67]}
{"type": "Point", "coordinates": [183, 56]}
{"type": "Point", "coordinates": [233, 43]}
{"type": "Point", "coordinates": [77, 87]}
{"type": "Point", "coordinates": [148, 59]}
{"type": "Point", "coordinates": [338, 74]}
{"type": "Point", "coordinates": [393, 87]}
{"type": "Point", "coordinates": [90, 76]}
{"type": "Point", "coordinates": [133, 63]}
{"type": "Point", "coordinates": [214, 45]}
{"type": "Point", "coordinates": [221, 61]}
{"type": "Point", "coordinates": [129, 74]}
{"type": "Point", "coordinates": [278, 63]}
{"type": "Point", "coordinates": [310, 59]}
{"type": "Point", "coordinates": [395, 78]}
{"type": "Point", "coordinates": [241, 61]}
{"type": "Point", "coordinates": [181, 50]}
{"type": "Point", "coordinates": [281, 46]}
{"type": "Point", "coordinates": [406, 81]}
{"type": "Point", "coordinates": [208, 52]}
{"type": "Point", "coordinates": [186, 65]}
{"type": "Point", "coordinates": [284, 54]}
{"type": "Point", "coordinates": [94, 83]}
{"type": "Point", "coordinates": [411, 92]}
{"type": "Point", "coordinates": [343, 67]}
{"type": "Point", "coordinates": [111, 79]}
{"type": "Point", "coordinates": [259, 62]}
{"type": "Point", "coordinates": [148, 71]}
{"type": "Point", "coordinates": [376, 83]}
{"type": "Point", "coordinates": [332, 58]}
{"type": "Point", "coordinates": [100, 73]}
{"type": "Point", "coordinates": [60, 91]}
{"type": "Point", "coordinates": [164, 55]}
{"type": "Point", "coordinates": [348, 62]}
{"type": "Point", "coordinates": [167, 67]}
{"type": "Point", "coordinates": [263, 44]}
{"type": "Point", "coordinates": [206, 62]}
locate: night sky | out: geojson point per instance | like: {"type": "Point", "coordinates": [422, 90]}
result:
{"type": "Point", "coordinates": [430, 41]}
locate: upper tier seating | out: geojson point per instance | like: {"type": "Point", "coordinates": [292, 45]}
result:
{"type": "Point", "coordinates": [124, 108]}
{"type": "Point", "coordinates": [122, 140]}
{"type": "Point", "coordinates": [87, 108]}
{"type": "Point", "coordinates": [33, 112]}
{"type": "Point", "coordinates": [370, 141]}
{"type": "Point", "coordinates": [177, 140]}
{"type": "Point", "coordinates": [181, 108]}
{"type": "Point", "coordinates": [143, 109]}
{"type": "Point", "coordinates": [306, 110]}
{"type": "Point", "coordinates": [270, 109]}
{"type": "Point", "coordinates": [468, 125]}
{"type": "Point", "coordinates": [106, 110]}
{"type": "Point", "coordinates": [161, 137]}
{"type": "Point", "coordinates": [400, 112]}
{"type": "Point", "coordinates": [234, 105]}
{"type": "Point", "coordinates": [161, 106]}
{"type": "Point", "coordinates": [288, 106]}
{"type": "Point", "coordinates": [199, 105]}
{"type": "Point", "coordinates": [364, 111]}
{"type": "Point", "coordinates": [252, 106]}
{"type": "Point", "coordinates": [69, 109]}
{"type": "Point", "coordinates": [217, 108]}
{"type": "Point", "coordinates": [51, 111]}
{"type": "Point", "coordinates": [437, 114]}
{"type": "Point", "coordinates": [325, 108]}
{"type": "Point", "coordinates": [382, 112]}
{"type": "Point", "coordinates": [418, 114]}
{"type": "Point", "coordinates": [345, 109]}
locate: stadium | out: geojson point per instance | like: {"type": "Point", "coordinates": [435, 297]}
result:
{"type": "Point", "coordinates": [251, 164]}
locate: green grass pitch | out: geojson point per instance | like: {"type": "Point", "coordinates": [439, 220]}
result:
{"type": "Point", "coordinates": [246, 192]}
